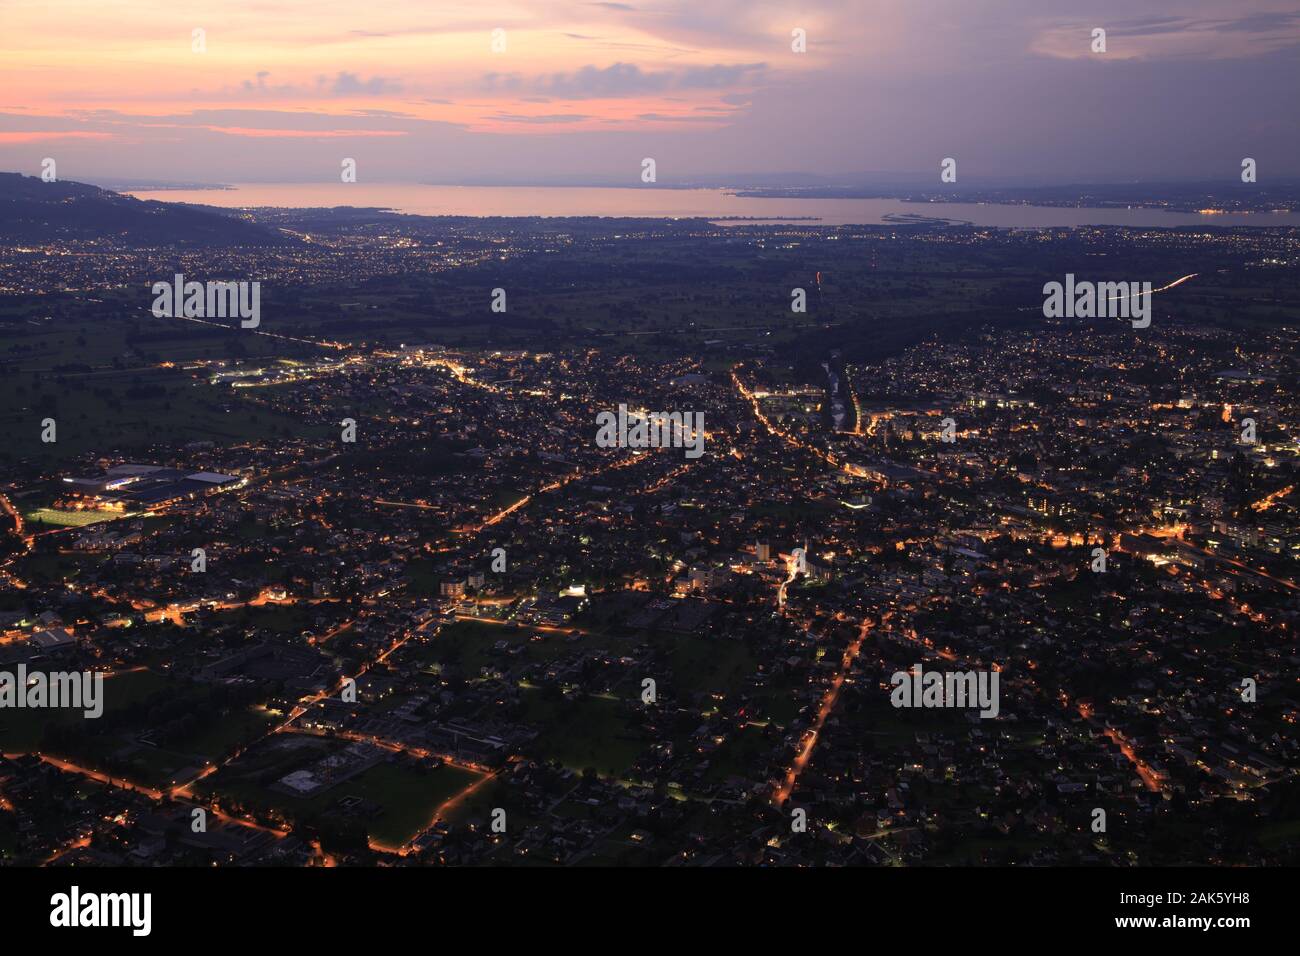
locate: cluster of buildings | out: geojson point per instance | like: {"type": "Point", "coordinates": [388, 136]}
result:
{"type": "Point", "coordinates": [473, 635]}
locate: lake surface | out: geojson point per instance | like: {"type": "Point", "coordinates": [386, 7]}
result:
{"type": "Point", "coordinates": [658, 203]}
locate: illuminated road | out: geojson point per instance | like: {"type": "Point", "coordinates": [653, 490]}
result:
{"type": "Point", "coordinates": [8, 577]}
{"type": "Point", "coordinates": [560, 483]}
{"type": "Point", "coordinates": [1150, 779]}
{"type": "Point", "coordinates": [110, 779]}
{"type": "Point", "coordinates": [1119, 298]}
{"type": "Point", "coordinates": [829, 458]}
{"type": "Point", "coordinates": [1265, 503]}
{"type": "Point", "coordinates": [1285, 582]}
{"type": "Point", "coordinates": [7, 506]}
{"type": "Point", "coordinates": [446, 807]}
{"type": "Point", "coordinates": [396, 746]}
{"type": "Point", "coordinates": [549, 629]}
{"type": "Point", "coordinates": [804, 754]}
{"type": "Point", "coordinates": [827, 705]}
{"type": "Point", "coordinates": [158, 796]}
{"type": "Point", "coordinates": [185, 792]}
{"type": "Point", "coordinates": [337, 346]}
{"type": "Point", "coordinates": [1149, 776]}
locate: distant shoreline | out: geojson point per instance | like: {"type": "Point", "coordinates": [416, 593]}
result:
{"type": "Point", "coordinates": [1200, 199]}
{"type": "Point", "coordinates": [127, 190]}
{"type": "Point", "coordinates": [717, 205]}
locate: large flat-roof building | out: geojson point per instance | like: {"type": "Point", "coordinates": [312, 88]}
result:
{"type": "Point", "coordinates": [145, 486]}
